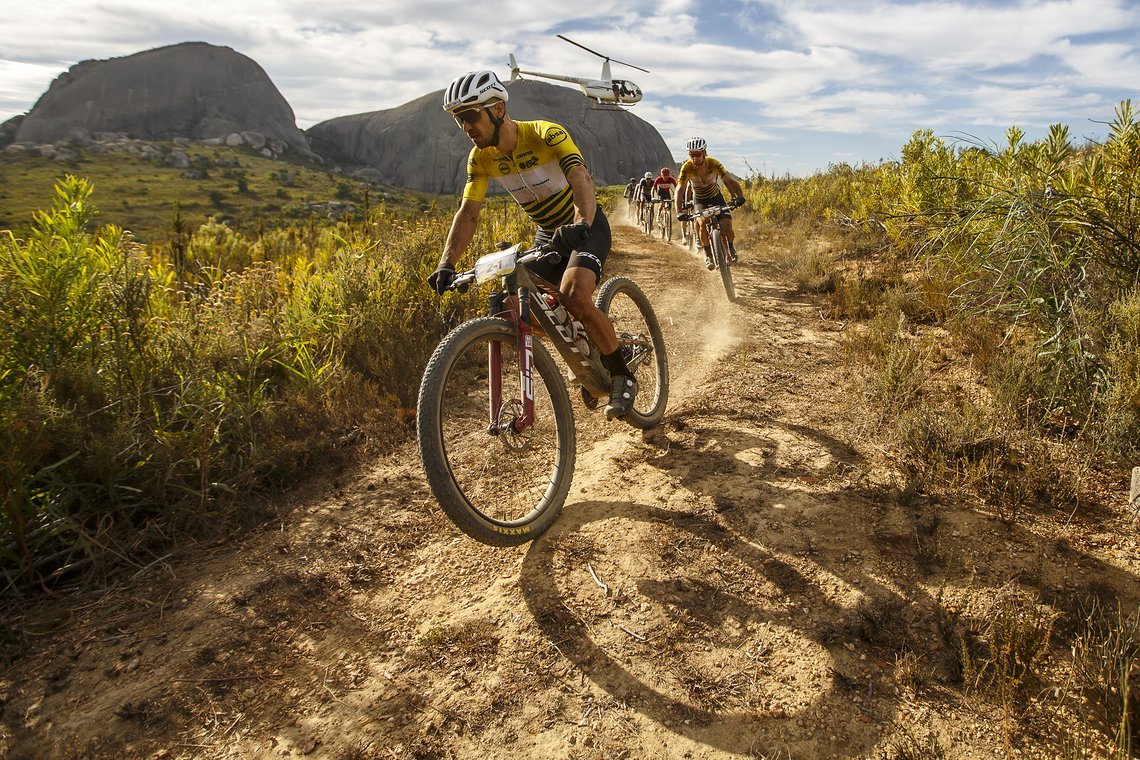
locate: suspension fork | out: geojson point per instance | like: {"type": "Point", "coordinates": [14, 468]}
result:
{"type": "Point", "coordinates": [526, 367]}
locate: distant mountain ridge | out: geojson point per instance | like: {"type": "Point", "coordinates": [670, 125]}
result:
{"type": "Point", "coordinates": [201, 91]}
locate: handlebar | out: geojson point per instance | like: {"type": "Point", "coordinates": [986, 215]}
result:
{"type": "Point", "coordinates": [707, 211]}
{"type": "Point", "coordinates": [545, 253]}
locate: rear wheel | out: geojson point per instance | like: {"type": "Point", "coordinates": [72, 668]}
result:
{"type": "Point", "coordinates": [642, 345]}
{"type": "Point", "coordinates": [500, 485]}
{"type": "Point", "coordinates": [720, 258]}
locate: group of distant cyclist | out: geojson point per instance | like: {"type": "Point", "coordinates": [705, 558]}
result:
{"type": "Point", "coordinates": [651, 199]}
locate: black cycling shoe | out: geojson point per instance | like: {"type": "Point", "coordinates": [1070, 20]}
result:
{"type": "Point", "coordinates": [623, 389]}
{"type": "Point", "coordinates": [731, 253]}
{"type": "Point", "coordinates": [709, 265]}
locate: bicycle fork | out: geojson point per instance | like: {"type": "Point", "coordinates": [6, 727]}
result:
{"type": "Point", "coordinates": [518, 422]}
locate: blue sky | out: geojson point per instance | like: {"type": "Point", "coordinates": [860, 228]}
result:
{"type": "Point", "coordinates": [774, 86]}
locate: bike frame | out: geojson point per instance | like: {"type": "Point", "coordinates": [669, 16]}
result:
{"type": "Point", "coordinates": [529, 310]}
{"type": "Point", "coordinates": [708, 218]}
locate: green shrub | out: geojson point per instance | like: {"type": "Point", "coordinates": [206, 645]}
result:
{"type": "Point", "coordinates": [139, 394]}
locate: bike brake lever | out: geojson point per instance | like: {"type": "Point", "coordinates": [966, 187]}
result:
{"type": "Point", "coordinates": [552, 256]}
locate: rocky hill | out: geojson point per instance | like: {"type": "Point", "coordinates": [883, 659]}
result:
{"type": "Point", "coordinates": [199, 91]}
{"type": "Point", "coordinates": [192, 89]}
{"type": "Point", "coordinates": [418, 145]}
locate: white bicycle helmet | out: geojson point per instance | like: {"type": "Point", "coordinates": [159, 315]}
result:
{"type": "Point", "coordinates": [649, 175]}
{"type": "Point", "coordinates": [696, 144]}
{"type": "Point", "coordinates": [475, 88]}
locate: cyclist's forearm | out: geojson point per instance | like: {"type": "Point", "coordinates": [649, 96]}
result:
{"type": "Point", "coordinates": [585, 197]}
{"type": "Point", "coordinates": [462, 231]}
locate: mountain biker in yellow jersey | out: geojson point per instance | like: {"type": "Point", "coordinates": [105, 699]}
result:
{"type": "Point", "coordinates": [540, 166]}
{"type": "Point", "coordinates": [701, 172]}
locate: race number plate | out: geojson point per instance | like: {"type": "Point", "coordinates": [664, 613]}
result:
{"type": "Point", "coordinates": [495, 265]}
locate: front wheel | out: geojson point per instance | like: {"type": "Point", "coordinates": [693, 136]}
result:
{"type": "Point", "coordinates": [642, 346]}
{"type": "Point", "coordinates": [667, 226]}
{"type": "Point", "coordinates": [720, 256]}
{"type": "Point", "coordinates": [500, 485]}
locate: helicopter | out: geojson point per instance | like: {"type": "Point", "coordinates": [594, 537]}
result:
{"type": "Point", "coordinates": [603, 90]}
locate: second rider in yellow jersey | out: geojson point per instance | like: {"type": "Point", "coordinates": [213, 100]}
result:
{"type": "Point", "coordinates": [701, 173]}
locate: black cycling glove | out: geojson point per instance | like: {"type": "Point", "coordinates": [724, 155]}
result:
{"type": "Point", "coordinates": [568, 237]}
{"type": "Point", "coordinates": [738, 202]}
{"type": "Point", "coordinates": [442, 278]}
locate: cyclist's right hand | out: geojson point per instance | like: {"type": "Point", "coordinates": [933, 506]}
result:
{"type": "Point", "coordinates": [442, 278]}
{"type": "Point", "coordinates": [567, 238]}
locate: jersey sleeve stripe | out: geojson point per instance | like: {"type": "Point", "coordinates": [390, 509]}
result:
{"type": "Point", "coordinates": [569, 162]}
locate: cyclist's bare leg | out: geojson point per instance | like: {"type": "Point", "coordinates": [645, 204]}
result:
{"type": "Point", "coordinates": [726, 228]}
{"type": "Point", "coordinates": [577, 288]}
{"type": "Point", "coordinates": [703, 235]}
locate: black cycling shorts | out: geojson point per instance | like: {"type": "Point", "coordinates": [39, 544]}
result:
{"type": "Point", "coordinates": [716, 200]}
{"type": "Point", "coordinates": [590, 255]}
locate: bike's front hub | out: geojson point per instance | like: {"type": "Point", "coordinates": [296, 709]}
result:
{"type": "Point", "coordinates": [511, 426]}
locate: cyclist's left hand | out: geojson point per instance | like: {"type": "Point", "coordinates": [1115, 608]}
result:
{"type": "Point", "coordinates": [568, 237]}
{"type": "Point", "coordinates": [738, 202]}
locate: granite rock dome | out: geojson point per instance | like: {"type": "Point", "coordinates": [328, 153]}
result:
{"type": "Point", "coordinates": [417, 145]}
{"type": "Point", "coordinates": [192, 89]}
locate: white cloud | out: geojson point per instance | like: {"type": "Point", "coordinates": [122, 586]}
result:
{"type": "Point", "coordinates": [956, 34]}
{"type": "Point", "coordinates": [18, 79]}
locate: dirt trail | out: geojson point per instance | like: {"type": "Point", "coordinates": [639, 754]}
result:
{"type": "Point", "coordinates": [733, 583]}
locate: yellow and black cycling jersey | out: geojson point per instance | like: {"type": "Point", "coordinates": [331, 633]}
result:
{"type": "Point", "coordinates": [534, 174]}
{"type": "Point", "coordinates": [703, 186]}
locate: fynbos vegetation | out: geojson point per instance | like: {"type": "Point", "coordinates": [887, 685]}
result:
{"type": "Point", "coordinates": [140, 392]}
{"type": "Point", "coordinates": [1022, 258]}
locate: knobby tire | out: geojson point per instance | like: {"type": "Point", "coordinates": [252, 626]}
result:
{"type": "Point", "coordinates": [720, 257]}
{"type": "Point", "coordinates": [639, 337]}
{"type": "Point", "coordinates": [505, 489]}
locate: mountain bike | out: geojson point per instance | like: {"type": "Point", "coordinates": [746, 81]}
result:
{"type": "Point", "coordinates": [494, 420]}
{"type": "Point", "coordinates": [665, 220]}
{"type": "Point", "coordinates": [649, 216]}
{"type": "Point", "coordinates": [709, 217]}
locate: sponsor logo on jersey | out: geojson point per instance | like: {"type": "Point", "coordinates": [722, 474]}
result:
{"type": "Point", "coordinates": [504, 168]}
{"type": "Point", "coordinates": [555, 136]}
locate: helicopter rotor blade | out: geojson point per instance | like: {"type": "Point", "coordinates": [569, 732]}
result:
{"type": "Point", "coordinates": [595, 52]}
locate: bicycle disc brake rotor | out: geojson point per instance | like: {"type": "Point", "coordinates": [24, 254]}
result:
{"type": "Point", "coordinates": [511, 437]}
{"type": "Point", "coordinates": [634, 349]}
